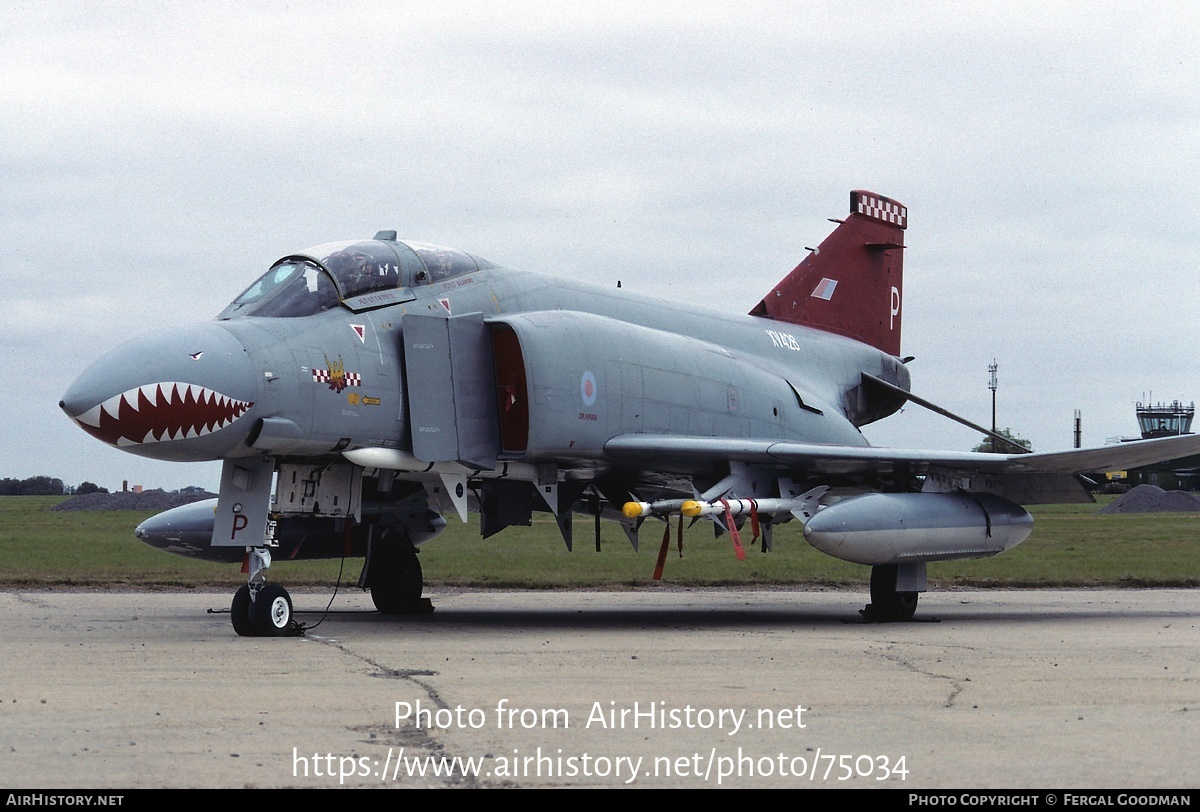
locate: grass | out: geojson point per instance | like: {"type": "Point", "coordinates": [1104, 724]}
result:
{"type": "Point", "coordinates": [1071, 546]}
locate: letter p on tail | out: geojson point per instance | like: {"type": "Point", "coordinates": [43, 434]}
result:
{"type": "Point", "coordinates": [852, 283]}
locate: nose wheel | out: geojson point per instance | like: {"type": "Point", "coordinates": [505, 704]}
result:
{"type": "Point", "coordinates": [260, 609]}
{"type": "Point", "coordinates": [267, 614]}
{"type": "Point", "coordinates": [239, 613]}
{"type": "Point", "coordinates": [271, 611]}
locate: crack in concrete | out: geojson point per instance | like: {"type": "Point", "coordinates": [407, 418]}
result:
{"type": "Point", "coordinates": [956, 685]}
{"type": "Point", "coordinates": [410, 735]}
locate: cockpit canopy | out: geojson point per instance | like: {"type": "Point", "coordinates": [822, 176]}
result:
{"type": "Point", "coordinates": [339, 272]}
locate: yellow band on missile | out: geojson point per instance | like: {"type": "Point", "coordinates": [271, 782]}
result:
{"type": "Point", "coordinates": [691, 508]}
{"type": "Point", "coordinates": [632, 510]}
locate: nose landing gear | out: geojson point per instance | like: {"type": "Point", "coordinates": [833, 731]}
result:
{"type": "Point", "coordinates": [260, 609]}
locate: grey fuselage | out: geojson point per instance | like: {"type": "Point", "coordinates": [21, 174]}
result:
{"type": "Point", "coordinates": [600, 362]}
{"type": "Point", "coordinates": [671, 376]}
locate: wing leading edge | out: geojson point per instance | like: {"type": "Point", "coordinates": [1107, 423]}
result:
{"type": "Point", "coordinates": [657, 450]}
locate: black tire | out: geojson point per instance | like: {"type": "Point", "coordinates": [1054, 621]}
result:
{"type": "Point", "coordinates": [396, 580]}
{"type": "Point", "coordinates": [271, 612]}
{"type": "Point", "coordinates": [239, 613]}
{"type": "Point", "coordinates": [888, 605]}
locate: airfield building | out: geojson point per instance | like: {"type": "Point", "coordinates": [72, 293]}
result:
{"type": "Point", "coordinates": [1166, 420]}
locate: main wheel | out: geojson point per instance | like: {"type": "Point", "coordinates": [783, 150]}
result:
{"type": "Point", "coordinates": [906, 605]}
{"type": "Point", "coordinates": [396, 580]}
{"type": "Point", "coordinates": [239, 613]}
{"type": "Point", "coordinates": [886, 603]}
{"type": "Point", "coordinates": [271, 612]}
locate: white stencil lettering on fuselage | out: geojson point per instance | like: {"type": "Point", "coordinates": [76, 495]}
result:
{"type": "Point", "coordinates": [785, 340]}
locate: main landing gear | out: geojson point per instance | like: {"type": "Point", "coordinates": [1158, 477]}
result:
{"type": "Point", "coordinates": [395, 579]}
{"type": "Point", "coordinates": [888, 605]}
{"type": "Point", "coordinates": [260, 609]}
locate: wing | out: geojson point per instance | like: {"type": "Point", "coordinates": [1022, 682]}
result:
{"type": "Point", "coordinates": [1026, 478]}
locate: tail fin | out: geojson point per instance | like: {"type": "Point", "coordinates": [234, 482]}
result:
{"type": "Point", "coordinates": [851, 284]}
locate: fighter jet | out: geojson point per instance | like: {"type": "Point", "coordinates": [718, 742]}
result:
{"type": "Point", "coordinates": [359, 391]}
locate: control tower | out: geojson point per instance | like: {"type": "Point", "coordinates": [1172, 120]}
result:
{"type": "Point", "coordinates": [1165, 419]}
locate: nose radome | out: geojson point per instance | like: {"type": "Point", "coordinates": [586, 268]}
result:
{"type": "Point", "coordinates": [178, 394]}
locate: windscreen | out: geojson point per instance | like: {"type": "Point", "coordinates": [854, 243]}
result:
{"type": "Point", "coordinates": [292, 288]}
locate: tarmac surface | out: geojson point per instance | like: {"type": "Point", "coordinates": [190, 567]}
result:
{"type": "Point", "coordinates": [656, 688]}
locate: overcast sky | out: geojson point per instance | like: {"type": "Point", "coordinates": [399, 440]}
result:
{"type": "Point", "coordinates": [156, 157]}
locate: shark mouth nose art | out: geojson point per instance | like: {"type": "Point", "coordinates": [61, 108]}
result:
{"type": "Point", "coordinates": [158, 412]}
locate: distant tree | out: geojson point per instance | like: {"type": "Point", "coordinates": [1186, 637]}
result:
{"type": "Point", "coordinates": [34, 486]}
{"type": "Point", "coordinates": [988, 445]}
{"type": "Point", "coordinates": [90, 487]}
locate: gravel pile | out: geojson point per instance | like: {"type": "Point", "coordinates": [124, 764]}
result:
{"type": "Point", "coordinates": [128, 500]}
{"type": "Point", "coordinates": [1153, 499]}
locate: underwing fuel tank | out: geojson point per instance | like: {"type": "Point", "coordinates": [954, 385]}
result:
{"type": "Point", "coordinates": [908, 528]}
{"type": "Point", "coordinates": [187, 531]}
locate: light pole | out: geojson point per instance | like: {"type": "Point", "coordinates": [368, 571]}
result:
{"type": "Point", "coordinates": [992, 367]}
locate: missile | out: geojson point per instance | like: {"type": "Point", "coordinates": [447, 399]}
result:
{"type": "Point", "coordinates": [800, 506]}
{"type": "Point", "coordinates": [908, 528]}
{"type": "Point", "coordinates": [663, 507]}
{"type": "Point", "coordinates": [737, 507]}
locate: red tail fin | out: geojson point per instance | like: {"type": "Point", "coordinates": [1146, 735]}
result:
{"type": "Point", "coordinates": [851, 284]}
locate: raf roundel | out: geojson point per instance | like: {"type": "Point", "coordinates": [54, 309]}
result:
{"type": "Point", "coordinates": [587, 388]}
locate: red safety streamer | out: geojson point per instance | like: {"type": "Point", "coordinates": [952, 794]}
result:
{"type": "Point", "coordinates": [662, 552]}
{"type": "Point", "coordinates": [730, 525]}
